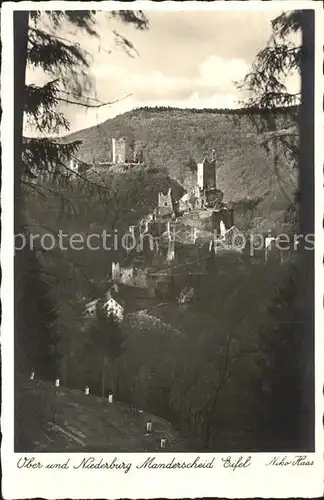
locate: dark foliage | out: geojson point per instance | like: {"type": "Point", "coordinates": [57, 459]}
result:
{"type": "Point", "coordinates": [267, 89]}
{"type": "Point", "coordinates": [286, 378]}
{"type": "Point", "coordinates": [104, 347]}
{"type": "Point", "coordinates": [44, 171]}
{"type": "Point", "coordinates": [66, 63]}
{"type": "Point", "coordinates": [35, 336]}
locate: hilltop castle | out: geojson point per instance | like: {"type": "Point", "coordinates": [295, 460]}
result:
{"type": "Point", "coordinates": [203, 195]}
{"type": "Point", "coordinates": [124, 151]}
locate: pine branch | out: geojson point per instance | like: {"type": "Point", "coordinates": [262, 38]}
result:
{"type": "Point", "coordinates": [79, 95]}
{"type": "Point", "coordinates": [40, 104]}
{"type": "Point", "coordinates": [136, 18]}
{"type": "Point", "coordinates": [266, 83]}
{"type": "Point", "coordinates": [85, 178]}
{"type": "Point", "coordinates": [74, 42]}
{"type": "Point", "coordinates": [45, 155]}
{"type": "Point", "coordinates": [49, 53]}
{"type": "Point", "coordinates": [87, 105]}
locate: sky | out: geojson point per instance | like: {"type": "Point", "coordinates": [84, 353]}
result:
{"type": "Point", "coordinates": [184, 59]}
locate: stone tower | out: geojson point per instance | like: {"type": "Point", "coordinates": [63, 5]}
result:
{"type": "Point", "coordinates": [115, 270]}
{"type": "Point", "coordinates": [119, 150]}
{"type": "Point", "coordinates": [206, 174]}
{"type": "Point", "coordinates": [165, 203]}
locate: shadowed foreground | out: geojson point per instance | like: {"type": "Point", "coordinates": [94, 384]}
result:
{"type": "Point", "coordinates": [53, 419]}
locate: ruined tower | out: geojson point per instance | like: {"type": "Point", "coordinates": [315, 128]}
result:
{"type": "Point", "coordinates": [165, 203]}
{"type": "Point", "coordinates": [206, 174]}
{"type": "Point", "coordinates": [119, 150]}
{"type": "Point", "coordinates": [115, 270]}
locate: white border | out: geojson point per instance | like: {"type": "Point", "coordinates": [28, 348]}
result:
{"type": "Point", "coordinates": [255, 481]}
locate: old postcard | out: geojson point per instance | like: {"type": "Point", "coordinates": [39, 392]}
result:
{"type": "Point", "coordinates": [162, 328]}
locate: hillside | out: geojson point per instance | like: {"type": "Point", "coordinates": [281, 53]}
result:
{"type": "Point", "coordinates": [61, 419]}
{"type": "Point", "coordinates": [173, 139]}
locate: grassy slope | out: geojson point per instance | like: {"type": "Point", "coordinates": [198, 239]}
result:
{"type": "Point", "coordinates": [67, 420]}
{"type": "Point", "coordinates": [172, 136]}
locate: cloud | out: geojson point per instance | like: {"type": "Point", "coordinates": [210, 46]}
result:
{"type": "Point", "coordinates": [157, 84]}
{"type": "Point", "coordinates": [186, 59]}
{"type": "Point", "coordinates": [213, 75]}
{"type": "Point", "coordinates": [221, 73]}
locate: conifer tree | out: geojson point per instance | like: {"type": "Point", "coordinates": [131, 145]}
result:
{"type": "Point", "coordinates": [35, 332]}
{"type": "Point", "coordinates": [267, 88]}
{"type": "Point", "coordinates": [287, 342]}
{"type": "Point", "coordinates": [65, 63]}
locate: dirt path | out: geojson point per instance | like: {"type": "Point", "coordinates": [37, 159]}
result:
{"type": "Point", "coordinates": [58, 419]}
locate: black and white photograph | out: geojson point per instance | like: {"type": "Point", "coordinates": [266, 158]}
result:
{"type": "Point", "coordinates": [162, 300]}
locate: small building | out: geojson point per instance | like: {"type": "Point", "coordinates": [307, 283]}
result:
{"type": "Point", "coordinates": [188, 202]}
{"type": "Point", "coordinates": [111, 305]}
{"type": "Point", "coordinates": [114, 308]}
{"type": "Point", "coordinates": [91, 309]}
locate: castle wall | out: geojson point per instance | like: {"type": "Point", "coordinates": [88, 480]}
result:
{"type": "Point", "coordinates": [129, 275]}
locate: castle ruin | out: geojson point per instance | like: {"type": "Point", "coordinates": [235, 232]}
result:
{"type": "Point", "coordinates": [165, 203]}
{"type": "Point", "coordinates": [120, 150]}
{"type": "Point", "coordinates": [206, 174]}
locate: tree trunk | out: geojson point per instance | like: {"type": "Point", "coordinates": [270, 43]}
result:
{"type": "Point", "coordinates": [306, 180]}
{"type": "Point", "coordinates": [20, 58]}
{"type": "Point", "coordinates": [20, 61]}
{"type": "Point", "coordinates": [103, 376]}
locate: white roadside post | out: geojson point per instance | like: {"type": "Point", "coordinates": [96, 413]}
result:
{"type": "Point", "coordinates": [149, 426]}
{"type": "Point", "coordinates": [55, 395]}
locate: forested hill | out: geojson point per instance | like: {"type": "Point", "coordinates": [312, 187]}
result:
{"type": "Point", "coordinates": [174, 139]}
